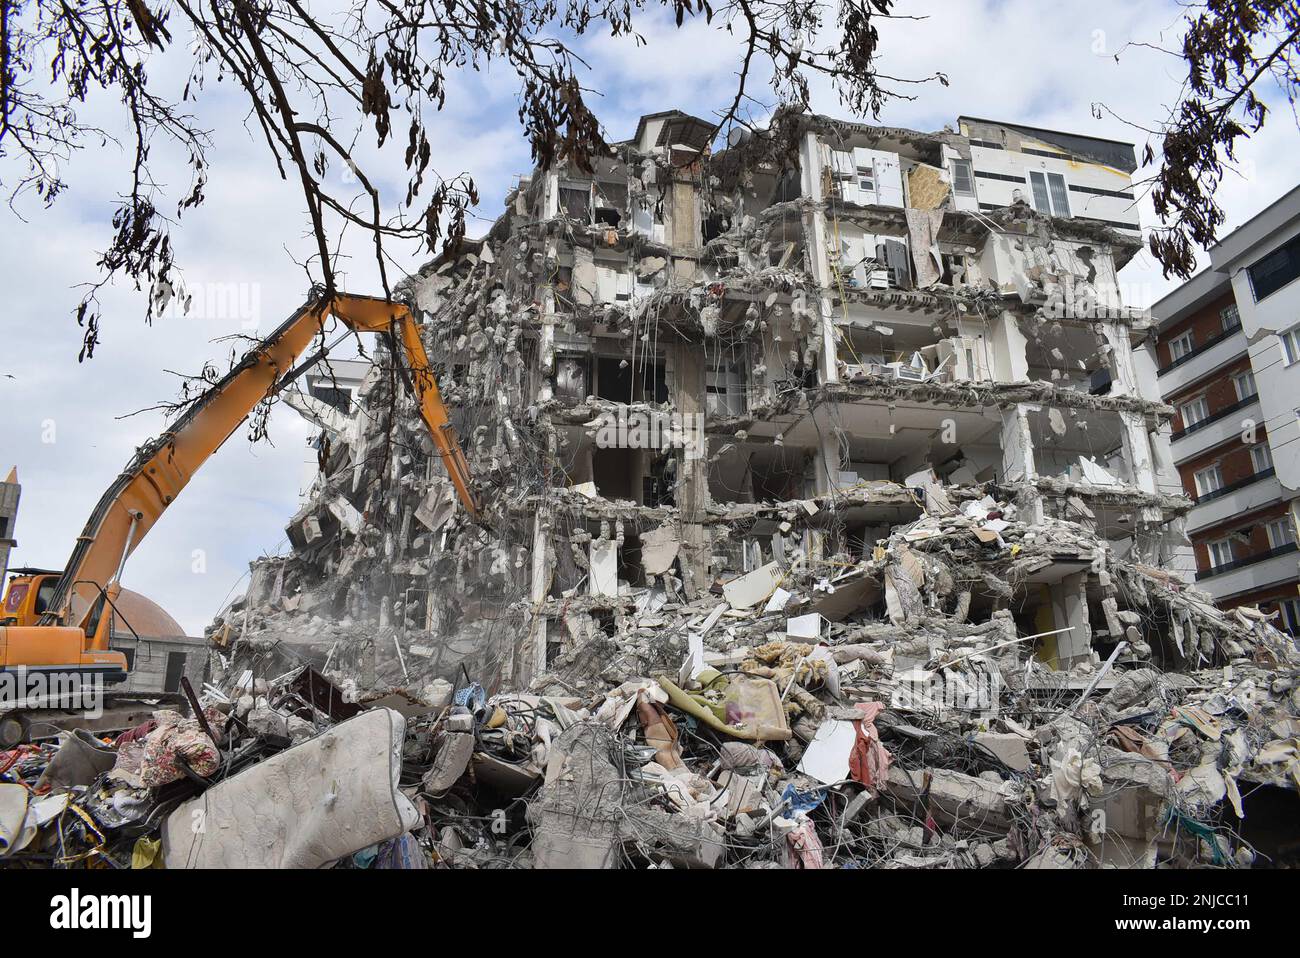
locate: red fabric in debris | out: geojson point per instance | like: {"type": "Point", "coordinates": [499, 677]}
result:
{"type": "Point", "coordinates": [869, 760]}
{"type": "Point", "coordinates": [139, 732]}
{"type": "Point", "coordinates": [806, 846]}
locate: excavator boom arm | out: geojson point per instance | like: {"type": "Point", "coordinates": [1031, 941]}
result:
{"type": "Point", "coordinates": [162, 467]}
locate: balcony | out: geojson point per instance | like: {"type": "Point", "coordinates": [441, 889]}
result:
{"type": "Point", "coordinates": [1238, 498]}
{"type": "Point", "coordinates": [1257, 571]}
{"type": "Point", "coordinates": [1218, 428]}
{"type": "Point", "coordinates": [1202, 360]}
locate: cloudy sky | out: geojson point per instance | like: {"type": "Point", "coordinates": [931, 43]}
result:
{"type": "Point", "coordinates": [67, 425]}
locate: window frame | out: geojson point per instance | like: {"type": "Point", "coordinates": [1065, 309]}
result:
{"type": "Point", "coordinates": [1255, 451]}
{"type": "Point", "coordinates": [576, 186]}
{"type": "Point", "coordinates": [959, 163]}
{"type": "Point", "coordinates": [726, 388]}
{"type": "Point", "coordinates": [1223, 317]}
{"type": "Point", "coordinates": [1178, 340]}
{"type": "Point", "coordinates": [1188, 422]}
{"type": "Point", "coordinates": [1292, 620]}
{"type": "Point", "coordinates": [1047, 192]}
{"type": "Point", "coordinates": [1286, 534]}
{"type": "Point", "coordinates": [1236, 384]}
{"type": "Point", "coordinates": [866, 174]}
{"type": "Point", "coordinates": [1290, 340]}
{"type": "Point", "coordinates": [1292, 250]}
{"type": "Point", "coordinates": [1226, 543]}
{"type": "Point", "coordinates": [1218, 478]}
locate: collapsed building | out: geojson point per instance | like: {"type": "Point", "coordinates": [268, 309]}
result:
{"type": "Point", "coordinates": [683, 368]}
{"type": "Point", "coordinates": [827, 516]}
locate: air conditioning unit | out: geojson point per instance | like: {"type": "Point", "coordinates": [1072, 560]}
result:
{"type": "Point", "coordinates": [899, 371]}
{"type": "Point", "coordinates": [856, 372]}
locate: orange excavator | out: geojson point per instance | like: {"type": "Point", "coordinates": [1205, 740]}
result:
{"type": "Point", "coordinates": [55, 626]}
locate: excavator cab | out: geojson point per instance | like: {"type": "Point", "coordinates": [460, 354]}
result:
{"type": "Point", "coordinates": [54, 650]}
{"type": "Point", "coordinates": [28, 595]}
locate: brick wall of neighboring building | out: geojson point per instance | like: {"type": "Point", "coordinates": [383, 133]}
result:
{"type": "Point", "coordinates": [1205, 324]}
{"type": "Point", "coordinates": [1234, 459]}
{"type": "Point", "coordinates": [1255, 522]}
{"type": "Point", "coordinates": [1219, 390]}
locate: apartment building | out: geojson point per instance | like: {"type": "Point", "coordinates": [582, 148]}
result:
{"type": "Point", "coordinates": [683, 373]}
{"type": "Point", "coordinates": [1228, 345]}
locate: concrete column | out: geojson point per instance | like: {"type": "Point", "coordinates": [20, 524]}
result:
{"type": "Point", "coordinates": [531, 658]}
{"type": "Point", "coordinates": [1137, 451]}
{"type": "Point", "coordinates": [826, 463]}
{"type": "Point", "coordinates": [1123, 370]}
{"type": "Point", "coordinates": [1018, 460]}
{"type": "Point", "coordinates": [810, 171]}
{"type": "Point", "coordinates": [692, 470]}
{"type": "Point", "coordinates": [1011, 363]}
{"type": "Point", "coordinates": [684, 224]}
{"type": "Point", "coordinates": [546, 347]}
{"type": "Point", "coordinates": [1018, 445]}
{"type": "Point", "coordinates": [826, 474]}
{"type": "Point", "coordinates": [533, 662]}
{"type": "Point", "coordinates": [551, 196]}
{"type": "Point", "coordinates": [1070, 602]}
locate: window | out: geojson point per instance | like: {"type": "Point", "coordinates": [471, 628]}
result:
{"type": "Point", "coordinates": [572, 377]}
{"type": "Point", "coordinates": [575, 202]}
{"type": "Point", "coordinates": [1291, 345]}
{"type": "Point", "coordinates": [1280, 532]}
{"type": "Point", "coordinates": [1275, 270]}
{"type": "Point", "coordinates": [1245, 383]}
{"type": "Point", "coordinates": [1051, 195]}
{"type": "Point", "coordinates": [1182, 346]}
{"type": "Point", "coordinates": [1230, 316]}
{"type": "Point", "coordinates": [1261, 457]}
{"type": "Point", "coordinates": [963, 183]}
{"type": "Point", "coordinates": [867, 179]}
{"type": "Point", "coordinates": [724, 389]}
{"type": "Point", "coordinates": [45, 593]}
{"type": "Point", "coordinates": [1194, 411]}
{"type": "Point", "coordinates": [338, 397]}
{"type": "Point", "coordinates": [1220, 552]}
{"type": "Point", "coordinates": [1208, 480]}
{"type": "Point", "coordinates": [175, 671]}
{"type": "Point", "coordinates": [611, 203]}
{"type": "Point", "coordinates": [1290, 609]}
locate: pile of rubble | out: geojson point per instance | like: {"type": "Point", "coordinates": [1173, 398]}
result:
{"type": "Point", "coordinates": [791, 730]}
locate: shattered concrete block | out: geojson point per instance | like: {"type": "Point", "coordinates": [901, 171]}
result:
{"type": "Point", "coordinates": [956, 799]}
{"type": "Point", "coordinates": [1012, 749]}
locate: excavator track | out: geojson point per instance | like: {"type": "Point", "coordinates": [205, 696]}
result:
{"type": "Point", "coordinates": [120, 711]}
